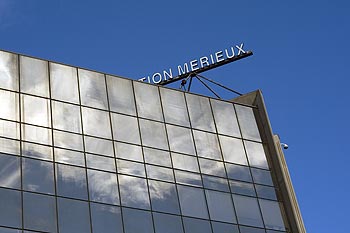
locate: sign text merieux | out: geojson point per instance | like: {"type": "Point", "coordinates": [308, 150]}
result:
{"type": "Point", "coordinates": [195, 64]}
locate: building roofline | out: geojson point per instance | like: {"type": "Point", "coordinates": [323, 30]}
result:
{"type": "Point", "coordinates": [277, 160]}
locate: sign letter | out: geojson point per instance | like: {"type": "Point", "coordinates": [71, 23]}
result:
{"type": "Point", "coordinates": [240, 49]}
{"type": "Point", "coordinates": [184, 70]}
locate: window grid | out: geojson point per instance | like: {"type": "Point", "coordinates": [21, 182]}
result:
{"type": "Point", "coordinates": [175, 183]}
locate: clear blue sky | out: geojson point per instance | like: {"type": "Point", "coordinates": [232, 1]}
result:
{"type": "Point", "coordinates": [301, 63]}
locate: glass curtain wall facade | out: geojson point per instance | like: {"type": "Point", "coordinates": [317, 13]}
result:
{"type": "Point", "coordinates": [82, 151]}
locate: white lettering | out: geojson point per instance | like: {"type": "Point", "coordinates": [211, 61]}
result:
{"type": "Point", "coordinates": [194, 65]}
{"type": "Point", "coordinates": [184, 70]}
{"type": "Point", "coordinates": [212, 59]}
{"type": "Point", "coordinates": [219, 57]}
{"type": "Point", "coordinates": [233, 53]}
{"type": "Point", "coordinates": [240, 49]}
{"type": "Point", "coordinates": [204, 60]}
{"type": "Point", "coordinates": [154, 76]}
{"type": "Point", "coordinates": [169, 75]}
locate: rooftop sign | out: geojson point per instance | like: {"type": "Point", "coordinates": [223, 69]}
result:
{"type": "Point", "coordinates": [198, 65]}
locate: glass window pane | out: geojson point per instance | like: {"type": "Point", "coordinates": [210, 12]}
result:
{"type": "Point", "coordinates": [11, 208]}
{"type": "Point", "coordinates": [9, 146]}
{"type": "Point", "coordinates": [248, 212]}
{"type": "Point", "coordinates": [9, 129]}
{"type": "Point", "coordinates": [165, 223]}
{"type": "Point", "coordinates": [37, 151]}
{"type": "Point", "coordinates": [157, 157]}
{"type": "Point", "coordinates": [220, 206]}
{"type": "Point", "coordinates": [9, 230]}
{"type": "Point", "coordinates": [180, 139]}
{"type": "Point", "coordinates": [256, 154]}
{"type": "Point", "coordinates": [36, 134]}
{"type": "Point", "coordinates": [159, 173]}
{"type": "Point", "coordinates": [103, 187]}
{"type": "Point", "coordinates": [266, 192]}
{"type": "Point", "coordinates": [237, 172]}
{"type": "Point", "coordinates": [164, 197]}
{"type": "Point", "coordinates": [247, 122]}
{"type": "Point", "coordinates": [225, 118]}
{"type": "Point", "coordinates": [9, 105]}
{"type": "Point", "coordinates": [10, 174]}
{"type": "Point", "coordinates": [130, 152]}
{"type": "Point", "coordinates": [69, 157]}
{"type": "Point", "coordinates": [200, 112]}
{"type": "Point", "coordinates": [125, 128]}
{"type": "Point", "coordinates": [207, 145]}
{"type": "Point", "coordinates": [185, 162]}
{"type": "Point", "coordinates": [174, 106]}
{"type": "Point", "coordinates": [38, 115]}
{"type": "Point", "coordinates": [188, 178]}
{"type": "Point", "coordinates": [64, 83]}
{"type": "Point", "coordinates": [148, 101]}
{"type": "Point", "coordinates": [66, 117]}
{"type": "Point", "coordinates": [261, 176]}
{"type": "Point", "coordinates": [192, 202]}
{"type": "Point", "coordinates": [244, 229]}
{"type": "Point", "coordinates": [34, 76]}
{"type": "Point", "coordinates": [100, 162]}
{"type": "Point", "coordinates": [121, 95]}
{"type": "Point", "coordinates": [134, 192]}
{"type": "Point", "coordinates": [73, 216]}
{"type": "Point", "coordinates": [8, 71]}
{"type": "Point", "coordinates": [271, 213]}
{"type": "Point", "coordinates": [242, 188]}
{"type": "Point", "coordinates": [233, 150]}
{"type": "Point", "coordinates": [96, 123]}
{"type": "Point", "coordinates": [71, 181]}
{"type": "Point", "coordinates": [92, 89]}
{"type": "Point", "coordinates": [153, 134]}
{"type": "Point", "coordinates": [142, 218]}
{"type": "Point", "coordinates": [39, 212]}
{"type": "Point", "coordinates": [211, 167]}
{"type": "Point", "coordinates": [196, 225]}
{"type": "Point", "coordinates": [215, 183]}
{"type": "Point", "coordinates": [131, 168]}
{"type": "Point", "coordinates": [106, 219]}
{"type": "Point", "coordinates": [219, 227]}
{"type": "Point", "coordinates": [38, 176]}
{"type": "Point", "coordinates": [99, 146]}
{"type": "Point", "coordinates": [68, 140]}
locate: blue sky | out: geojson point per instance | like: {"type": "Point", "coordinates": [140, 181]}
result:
{"type": "Point", "coordinates": [300, 63]}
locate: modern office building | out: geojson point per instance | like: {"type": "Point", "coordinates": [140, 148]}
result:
{"type": "Point", "coordinates": [82, 151]}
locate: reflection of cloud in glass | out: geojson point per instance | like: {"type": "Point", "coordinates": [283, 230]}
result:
{"type": "Point", "coordinates": [71, 181]}
{"type": "Point", "coordinates": [93, 89]}
{"type": "Point", "coordinates": [161, 190]}
{"type": "Point", "coordinates": [9, 129]}
{"type": "Point", "coordinates": [180, 139]}
{"type": "Point", "coordinates": [35, 110]}
{"type": "Point", "coordinates": [68, 140]}
{"type": "Point", "coordinates": [66, 117]}
{"type": "Point", "coordinates": [207, 145]}
{"type": "Point", "coordinates": [134, 192]}
{"type": "Point", "coordinates": [9, 171]}
{"type": "Point", "coordinates": [212, 167]}
{"type": "Point", "coordinates": [9, 146]}
{"type": "Point", "coordinates": [34, 76]}
{"type": "Point", "coordinates": [8, 66]}
{"type": "Point", "coordinates": [9, 105]}
{"type": "Point", "coordinates": [36, 134]}
{"type": "Point", "coordinates": [103, 187]}
{"type": "Point", "coordinates": [256, 154]}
